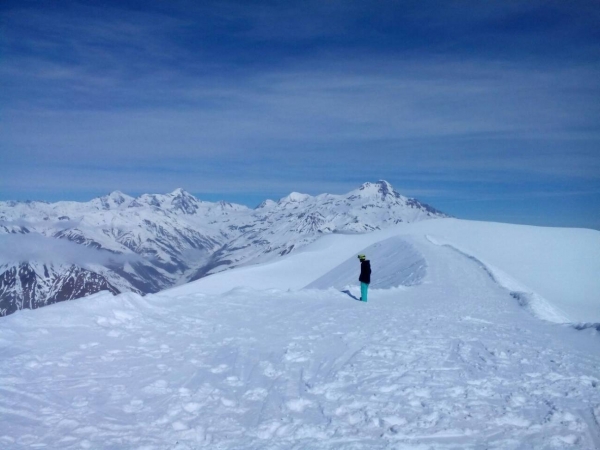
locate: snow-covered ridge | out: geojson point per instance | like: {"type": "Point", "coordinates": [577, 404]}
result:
{"type": "Point", "coordinates": [155, 241]}
{"type": "Point", "coordinates": [550, 271]}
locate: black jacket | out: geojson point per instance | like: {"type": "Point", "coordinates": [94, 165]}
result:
{"type": "Point", "coordinates": [365, 271]}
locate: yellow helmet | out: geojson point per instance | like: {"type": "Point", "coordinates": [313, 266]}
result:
{"type": "Point", "coordinates": [362, 257]}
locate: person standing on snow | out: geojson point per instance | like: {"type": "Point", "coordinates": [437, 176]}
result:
{"type": "Point", "coordinates": [365, 277]}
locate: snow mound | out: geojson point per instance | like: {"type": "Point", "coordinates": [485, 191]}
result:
{"type": "Point", "coordinates": [552, 271]}
{"type": "Point", "coordinates": [395, 261]}
{"type": "Point", "coordinates": [531, 301]}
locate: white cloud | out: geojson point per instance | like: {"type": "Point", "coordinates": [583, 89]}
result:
{"type": "Point", "coordinates": [16, 248]}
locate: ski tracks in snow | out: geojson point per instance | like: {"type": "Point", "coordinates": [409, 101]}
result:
{"type": "Point", "coordinates": [450, 364]}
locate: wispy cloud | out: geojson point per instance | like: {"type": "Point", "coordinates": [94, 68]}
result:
{"type": "Point", "coordinates": [428, 121]}
{"type": "Point", "coordinates": [22, 222]}
{"type": "Point", "coordinates": [15, 248]}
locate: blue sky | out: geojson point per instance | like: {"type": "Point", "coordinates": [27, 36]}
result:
{"type": "Point", "coordinates": [485, 110]}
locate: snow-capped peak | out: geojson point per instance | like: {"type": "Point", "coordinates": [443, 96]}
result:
{"type": "Point", "coordinates": [184, 201]}
{"type": "Point", "coordinates": [380, 190]}
{"type": "Point", "coordinates": [266, 204]}
{"type": "Point", "coordinates": [180, 192]}
{"type": "Point", "coordinates": [385, 188]}
{"type": "Point", "coordinates": [113, 200]}
{"type": "Point", "coordinates": [294, 197]}
{"type": "Point", "coordinates": [227, 206]}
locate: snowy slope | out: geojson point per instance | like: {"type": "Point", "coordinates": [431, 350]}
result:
{"type": "Point", "coordinates": [555, 266]}
{"type": "Point", "coordinates": [441, 357]}
{"type": "Point", "coordinates": [554, 270]}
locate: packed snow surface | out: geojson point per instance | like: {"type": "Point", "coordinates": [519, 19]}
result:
{"type": "Point", "coordinates": [451, 352]}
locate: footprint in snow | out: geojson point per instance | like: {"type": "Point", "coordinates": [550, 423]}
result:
{"type": "Point", "coordinates": [67, 425]}
{"type": "Point", "coordinates": [192, 407]}
{"type": "Point", "coordinates": [293, 356]}
{"type": "Point", "coordinates": [79, 402]}
{"type": "Point", "coordinates": [299, 404]}
{"type": "Point", "coordinates": [269, 371]}
{"type": "Point", "coordinates": [257, 395]}
{"type": "Point", "coordinates": [234, 381]}
{"type": "Point", "coordinates": [89, 345]}
{"type": "Point", "coordinates": [220, 368]}
{"type": "Point", "coordinates": [134, 406]}
{"type": "Point", "coordinates": [159, 387]}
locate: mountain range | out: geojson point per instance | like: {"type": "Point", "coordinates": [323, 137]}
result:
{"type": "Point", "coordinates": [52, 252]}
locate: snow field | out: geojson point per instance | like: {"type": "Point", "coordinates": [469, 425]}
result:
{"type": "Point", "coordinates": [556, 267]}
{"type": "Point", "coordinates": [451, 361]}
{"type": "Point", "coordinates": [553, 272]}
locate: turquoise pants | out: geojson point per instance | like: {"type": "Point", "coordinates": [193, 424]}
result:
{"type": "Point", "coordinates": [364, 288]}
